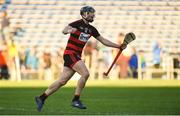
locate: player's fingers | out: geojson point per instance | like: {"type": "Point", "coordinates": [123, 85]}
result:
{"type": "Point", "coordinates": [73, 30]}
{"type": "Point", "coordinates": [123, 46]}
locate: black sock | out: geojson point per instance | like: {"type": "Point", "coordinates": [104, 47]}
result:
{"type": "Point", "coordinates": [43, 96]}
{"type": "Point", "coordinates": [76, 97]}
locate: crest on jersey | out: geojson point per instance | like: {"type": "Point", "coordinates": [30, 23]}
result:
{"type": "Point", "coordinates": [84, 37]}
{"type": "Point", "coordinates": [86, 30]}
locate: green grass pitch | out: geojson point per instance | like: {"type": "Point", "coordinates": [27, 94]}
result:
{"type": "Point", "coordinates": [100, 100]}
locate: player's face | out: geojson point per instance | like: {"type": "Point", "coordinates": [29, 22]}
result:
{"type": "Point", "coordinates": [90, 16]}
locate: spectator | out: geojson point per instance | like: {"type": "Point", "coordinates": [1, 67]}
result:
{"type": "Point", "coordinates": [142, 57]}
{"type": "Point", "coordinates": [17, 30]}
{"type": "Point", "coordinates": [13, 60]}
{"type": "Point", "coordinates": [175, 54]}
{"type": "Point", "coordinates": [57, 60]}
{"type": "Point", "coordinates": [46, 65]}
{"type": "Point", "coordinates": [98, 60]}
{"type": "Point", "coordinates": [142, 63]}
{"type": "Point", "coordinates": [4, 72]}
{"type": "Point", "coordinates": [124, 58]}
{"type": "Point", "coordinates": [22, 57]}
{"type": "Point", "coordinates": [133, 63]}
{"type": "Point", "coordinates": [29, 62]}
{"type": "Point", "coordinates": [5, 30]}
{"type": "Point", "coordinates": [88, 53]}
{"type": "Point", "coordinates": [157, 54]}
{"type": "Point", "coordinates": [176, 65]}
{"type": "Point", "coordinates": [107, 58]}
{"type": "Point", "coordinates": [47, 59]}
{"type": "Point", "coordinates": [32, 59]}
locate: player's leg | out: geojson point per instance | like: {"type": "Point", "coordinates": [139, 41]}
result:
{"type": "Point", "coordinates": [83, 71]}
{"type": "Point", "coordinates": [65, 76]}
{"type": "Point", "coordinates": [80, 68]}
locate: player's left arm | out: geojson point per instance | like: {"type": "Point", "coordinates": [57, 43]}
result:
{"type": "Point", "coordinates": [68, 29]}
{"type": "Point", "coordinates": [105, 41]}
{"type": "Point", "coordinates": [108, 43]}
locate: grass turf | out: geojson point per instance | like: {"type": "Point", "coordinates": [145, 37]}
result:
{"type": "Point", "coordinates": [99, 100]}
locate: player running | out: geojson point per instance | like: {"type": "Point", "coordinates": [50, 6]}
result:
{"type": "Point", "coordinates": [80, 31]}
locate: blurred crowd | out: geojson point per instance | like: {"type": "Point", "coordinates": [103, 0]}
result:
{"type": "Point", "coordinates": [28, 62]}
{"type": "Point", "coordinates": [17, 62]}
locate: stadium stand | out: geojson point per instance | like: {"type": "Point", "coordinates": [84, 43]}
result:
{"type": "Point", "coordinates": [43, 20]}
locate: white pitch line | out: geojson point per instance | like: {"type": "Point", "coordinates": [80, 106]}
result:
{"type": "Point", "coordinates": [17, 109]}
{"type": "Point", "coordinates": [21, 109]}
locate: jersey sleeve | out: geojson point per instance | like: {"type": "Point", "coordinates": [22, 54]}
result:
{"type": "Point", "coordinates": [73, 24]}
{"type": "Point", "coordinates": [95, 32]}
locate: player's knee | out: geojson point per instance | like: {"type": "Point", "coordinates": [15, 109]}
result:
{"type": "Point", "coordinates": [62, 83]}
{"type": "Point", "coordinates": [86, 74]}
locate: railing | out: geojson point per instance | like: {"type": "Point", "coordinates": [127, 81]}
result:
{"type": "Point", "coordinates": [167, 71]}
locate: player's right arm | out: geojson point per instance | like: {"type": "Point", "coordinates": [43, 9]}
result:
{"type": "Point", "coordinates": [68, 29]}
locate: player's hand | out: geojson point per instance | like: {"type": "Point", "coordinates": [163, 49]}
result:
{"type": "Point", "coordinates": [72, 30]}
{"type": "Point", "coordinates": [123, 46]}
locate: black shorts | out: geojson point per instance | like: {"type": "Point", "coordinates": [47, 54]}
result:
{"type": "Point", "coordinates": [71, 59]}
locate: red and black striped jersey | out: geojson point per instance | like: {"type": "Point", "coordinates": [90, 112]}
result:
{"type": "Point", "coordinates": [79, 38]}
